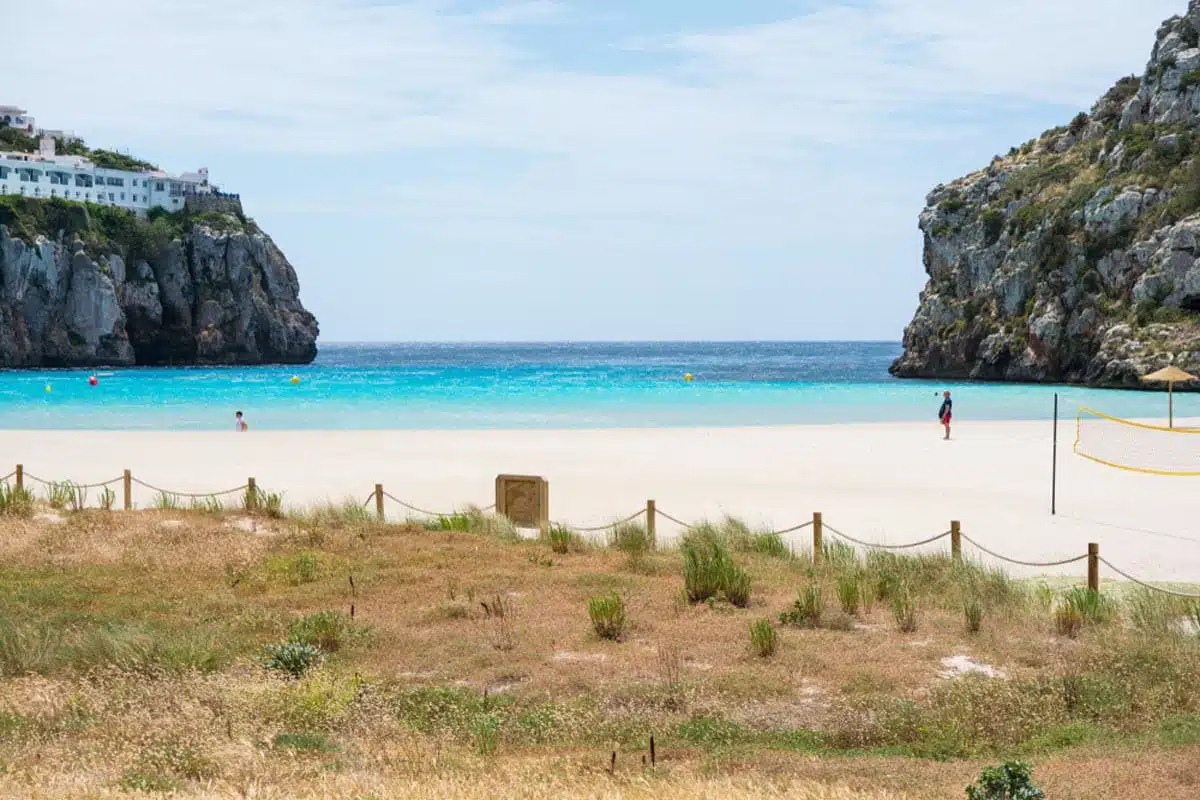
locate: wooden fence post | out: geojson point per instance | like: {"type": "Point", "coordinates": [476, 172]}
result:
{"type": "Point", "coordinates": [956, 541]}
{"type": "Point", "coordinates": [251, 495]}
{"type": "Point", "coordinates": [20, 476]}
{"type": "Point", "coordinates": [651, 519]}
{"type": "Point", "coordinates": [1094, 566]}
{"type": "Point", "coordinates": [127, 481]}
{"type": "Point", "coordinates": [379, 501]}
{"type": "Point", "coordinates": [817, 535]}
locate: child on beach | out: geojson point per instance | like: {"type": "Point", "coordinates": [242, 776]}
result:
{"type": "Point", "coordinates": [944, 413]}
{"type": "Point", "coordinates": [239, 424]}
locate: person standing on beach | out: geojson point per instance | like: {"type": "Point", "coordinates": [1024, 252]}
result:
{"type": "Point", "coordinates": [239, 424]}
{"type": "Point", "coordinates": [945, 413]}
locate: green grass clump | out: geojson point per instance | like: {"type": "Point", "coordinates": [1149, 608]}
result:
{"type": "Point", "coordinates": [15, 501]}
{"type": "Point", "coordinates": [631, 538]}
{"type": "Point", "coordinates": [292, 659]}
{"type": "Point", "coordinates": [607, 613]}
{"type": "Point", "coordinates": [1155, 613]}
{"type": "Point", "coordinates": [973, 611]}
{"type": "Point", "coordinates": [562, 539]}
{"type": "Point", "coordinates": [328, 631]}
{"type": "Point", "coordinates": [107, 498]}
{"type": "Point", "coordinates": [206, 505]}
{"type": "Point", "coordinates": [64, 495]}
{"type": "Point", "coordinates": [1093, 607]}
{"type": "Point", "coordinates": [475, 520]}
{"type": "Point", "coordinates": [709, 571]}
{"type": "Point", "coordinates": [294, 569]}
{"type": "Point", "coordinates": [264, 502]}
{"type": "Point", "coordinates": [807, 610]}
{"type": "Point", "coordinates": [849, 591]}
{"type": "Point", "coordinates": [763, 638]}
{"type": "Point", "coordinates": [165, 501]}
{"type": "Point", "coordinates": [904, 610]}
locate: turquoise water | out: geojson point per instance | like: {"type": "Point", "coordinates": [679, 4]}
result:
{"type": "Point", "coordinates": [415, 386]}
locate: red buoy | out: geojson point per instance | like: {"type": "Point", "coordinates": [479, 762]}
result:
{"type": "Point", "coordinates": [92, 380]}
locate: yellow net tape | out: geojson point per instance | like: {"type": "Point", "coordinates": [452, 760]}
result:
{"type": "Point", "coordinates": [1137, 446]}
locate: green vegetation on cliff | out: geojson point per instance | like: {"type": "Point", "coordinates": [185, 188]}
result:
{"type": "Point", "coordinates": [20, 142]}
{"type": "Point", "coordinates": [107, 230]}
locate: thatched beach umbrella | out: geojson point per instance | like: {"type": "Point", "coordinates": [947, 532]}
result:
{"type": "Point", "coordinates": [1170, 376]}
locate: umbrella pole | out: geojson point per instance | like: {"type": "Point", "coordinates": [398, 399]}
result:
{"type": "Point", "coordinates": [1171, 405]}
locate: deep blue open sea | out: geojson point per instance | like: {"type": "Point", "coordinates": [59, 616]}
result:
{"type": "Point", "coordinates": [581, 385]}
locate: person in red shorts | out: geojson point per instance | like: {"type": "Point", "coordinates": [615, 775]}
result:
{"type": "Point", "coordinates": [945, 413]}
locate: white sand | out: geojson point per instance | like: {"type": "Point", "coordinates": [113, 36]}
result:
{"type": "Point", "coordinates": [889, 483]}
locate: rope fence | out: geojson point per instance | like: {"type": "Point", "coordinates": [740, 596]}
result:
{"type": "Point", "coordinates": [254, 498]}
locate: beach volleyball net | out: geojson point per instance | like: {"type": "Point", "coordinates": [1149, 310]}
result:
{"type": "Point", "coordinates": [1136, 446]}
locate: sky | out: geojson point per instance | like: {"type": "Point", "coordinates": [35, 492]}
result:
{"type": "Point", "coordinates": [550, 170]}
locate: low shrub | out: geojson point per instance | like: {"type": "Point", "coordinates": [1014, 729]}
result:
{"type": "Point", "coordinates": [485, 729]}
{"type": "Point", "coordinates": [807, 609]}
{"type": "Point", "coordinates": [293, 659]}
{"type": "Point", "coordinates": [763, 638]}
{"type": "Point", "coordinates": [1013, 780]}
{"type": "Point", "coordinates": [607, 613]}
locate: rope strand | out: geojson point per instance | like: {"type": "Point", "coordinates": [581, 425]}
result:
{"type": "Point", "coordinates": [1129, 577]}
{"type": "Point", "coordinates": [609, 527]}
{"type": "Point", "coordinates": [72, 484]}
{"type": "Point", "coordinates": [878, 546]}
{"type": "Point", "coordinates": [994, 554]}
{"type": "Point", "coordinates": [153, 488]}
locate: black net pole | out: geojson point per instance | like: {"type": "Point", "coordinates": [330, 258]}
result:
{"type": "Point", "coordinates": [1054, 464]}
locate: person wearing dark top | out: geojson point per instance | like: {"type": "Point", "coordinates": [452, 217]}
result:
{"type": "Point", "coordinates": [944, 413]}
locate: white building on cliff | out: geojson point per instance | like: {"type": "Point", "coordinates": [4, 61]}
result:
{"type": "Point", "coordinates": [46, 174]}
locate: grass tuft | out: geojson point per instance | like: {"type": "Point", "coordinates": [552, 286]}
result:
{"type": "Point", "coordinates": [15, 501]}
{"type": "Point", "coordinates": [607, 613]}
{"type": "Point", "coordinates": [807, 610]}
{"type": "Point", "coordinates": [849, 590]}
{"type": "Point", "coordinates": [904, 609]}
{"type": "Point", "coordinates": [763, 638]}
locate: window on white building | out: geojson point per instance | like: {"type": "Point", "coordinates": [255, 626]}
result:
{"type": "Point", "coordinates": [111, 198]}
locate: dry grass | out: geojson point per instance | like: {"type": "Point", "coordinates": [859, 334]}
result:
{"type": "Point", "coordinates": [131, 650]}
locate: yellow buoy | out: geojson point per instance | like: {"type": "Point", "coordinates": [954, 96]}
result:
{"type": "Point", "coordinates": [688, 377]}
{"type": "Point", "coordinates": [47, 387]}
{"type": "Point", "coordinates": [295, 379]}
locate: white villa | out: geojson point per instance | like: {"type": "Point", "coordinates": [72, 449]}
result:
{"type": "Point", "coordinates": [46, 174]}
{"type": "Point", "coordinates": [13, 117]}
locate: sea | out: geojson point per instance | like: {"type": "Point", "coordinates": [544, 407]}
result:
{"type": "Point", "coordinates": [548, 386]}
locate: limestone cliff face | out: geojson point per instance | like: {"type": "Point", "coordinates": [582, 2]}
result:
{"type": "Point", "coordinates": [207, 296]}
{"type": "Point", "coordinates": [1076, 257]}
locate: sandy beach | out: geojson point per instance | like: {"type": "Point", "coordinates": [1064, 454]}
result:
{"type": "Point", "coordinates": [888, 483]}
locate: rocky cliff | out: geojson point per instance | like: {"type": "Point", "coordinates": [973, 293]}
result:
{"type": "Point", "coordinates": [82, 285]}
{"type": "Point", "coordinates": [1075, 257]}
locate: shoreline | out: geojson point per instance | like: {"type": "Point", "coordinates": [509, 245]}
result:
{"type": "Point", "coordinates": [888, 483]}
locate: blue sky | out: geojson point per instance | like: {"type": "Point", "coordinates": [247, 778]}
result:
{"type": "Point", "coordinates": [581, 169]}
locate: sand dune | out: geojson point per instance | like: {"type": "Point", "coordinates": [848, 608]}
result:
{"type": "Point", "coordinates": [889, 483]}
